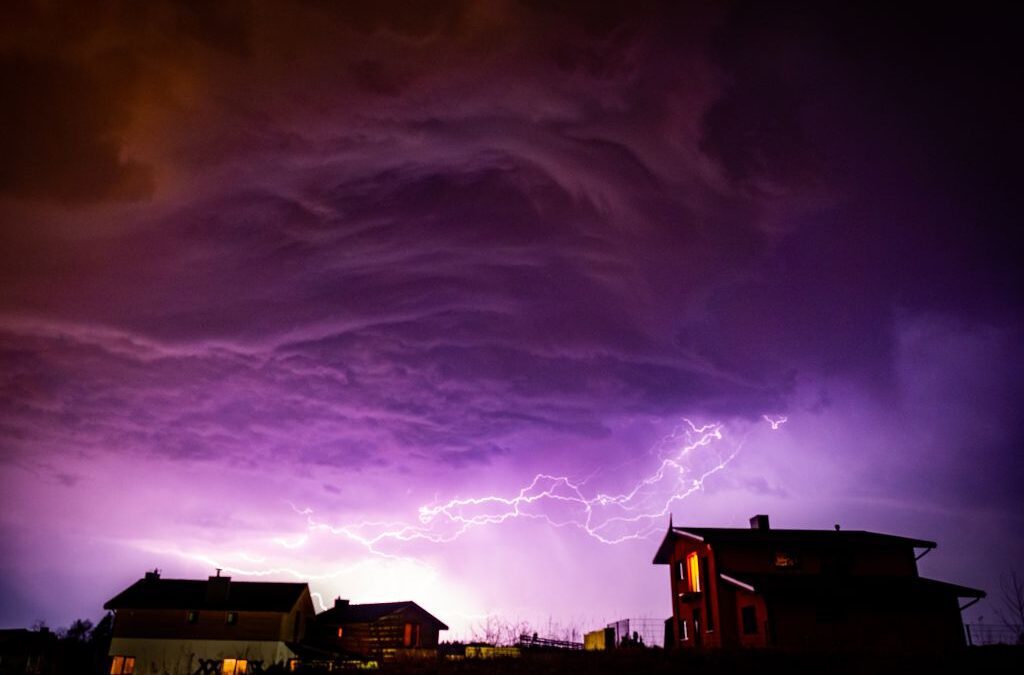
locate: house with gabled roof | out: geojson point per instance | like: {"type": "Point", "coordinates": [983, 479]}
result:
{"type": "Point", "coordinates": [805, 590]}
{"type": "Point", "coordinates": [185, 626]}
{"type": "Point", "coordinates": [382, 631]}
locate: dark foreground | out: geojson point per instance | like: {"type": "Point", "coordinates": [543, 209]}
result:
{"type": "Point", "coordinates": [995, 659]}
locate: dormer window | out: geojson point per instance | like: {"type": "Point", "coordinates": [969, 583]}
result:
{"type": "Point", "coordinates": [785, 559]}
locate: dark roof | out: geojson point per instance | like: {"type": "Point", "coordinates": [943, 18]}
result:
{"type": "Point", "coordinates": [817, 584]}
{"type": "Point", "coordinates": [751, 536]}
{"type": "Point", "coordinates": [342, 614]}
{"type": "Point", "coordinates": [264, 596]}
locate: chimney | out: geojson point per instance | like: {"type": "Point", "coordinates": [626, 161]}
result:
{"type": "Point", "coordinates": [153, 576]}
{"type": "Point", "coordinates": [217, 589]}
{"type": "Point", "coordinates": [759, 522]}
{"type": "Point", "coordinates": [339, 603]}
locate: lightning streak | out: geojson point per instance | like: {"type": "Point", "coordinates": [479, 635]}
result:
{"type": "Point", "coordinates": [688, 457]}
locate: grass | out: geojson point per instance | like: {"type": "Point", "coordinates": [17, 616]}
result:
{"type": "Point", "coordinates": [975, 660]}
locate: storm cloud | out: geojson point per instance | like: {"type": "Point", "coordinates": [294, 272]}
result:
{"type": "Point", "coordinates": [374, 255]}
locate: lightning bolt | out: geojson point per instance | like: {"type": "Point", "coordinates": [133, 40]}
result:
{"type": "Point", "coordinates": [687, 458]}
{"type": "Point", "coordinates": [561, 501]}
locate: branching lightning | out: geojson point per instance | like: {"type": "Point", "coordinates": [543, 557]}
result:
{"type": "Point", "coordinates": [687, 457]}
{"type": "Point", "coordinates": [561, 501]}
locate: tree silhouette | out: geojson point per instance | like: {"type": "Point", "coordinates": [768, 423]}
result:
{"type": "Point", "coordinates": [1011, 613]}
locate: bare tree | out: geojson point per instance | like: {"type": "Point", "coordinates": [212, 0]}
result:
{"type": "Point", "coordinates": [1011, 614]}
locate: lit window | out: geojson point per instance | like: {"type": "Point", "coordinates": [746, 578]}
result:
{"type": "Point", "coordinates": [122, 665]}
{"type": "Point", "coordinates": [232, 618]}
{"type": "Point", "coordinates": [693, 571]}
{"type": "Point", "coordinates": [191, 617]}
{"type": "Point", "coordinates": [234, 667]}
{"type": "Point", "coordinates": [407, 641]}
{"type": "Point", "coordinates": [785, 559]}
{"type": "Point", "coordinates": [682, 571]}
{"type": "Point", "coordinates": [293, 665]}
{"type": "Point", "coordinates": [685, 630]}
{"type": "Point", "coordinates": [341, 631]}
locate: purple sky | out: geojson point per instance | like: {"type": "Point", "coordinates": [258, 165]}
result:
{"type": "Point", "coordinates": [282, 280]}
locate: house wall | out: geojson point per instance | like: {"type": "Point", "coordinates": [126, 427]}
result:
{"type": "Point", "coordinates": [706, 602]}
{"type": "Point", "coordinates": [910, 623]}
{"type": "Point", "coordinates": [211, 625]}
{"type": "Point", "coordinates": [182, 656]}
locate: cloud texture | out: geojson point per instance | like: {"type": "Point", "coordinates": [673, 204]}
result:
{"type": "Point", "coordinates": [271, 269]}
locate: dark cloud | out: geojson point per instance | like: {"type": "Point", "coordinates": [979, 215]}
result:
{"type": "Point", "coordinates": [65, 143]}
{"type": "Point", "coordinates": [426, 242]}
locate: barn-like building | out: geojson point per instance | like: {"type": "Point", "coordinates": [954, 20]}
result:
{"type": "Point", "coordinates": [382, 631]}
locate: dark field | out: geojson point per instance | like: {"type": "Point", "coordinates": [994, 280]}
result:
{"type": "Point", "coordinates": [995, 659]}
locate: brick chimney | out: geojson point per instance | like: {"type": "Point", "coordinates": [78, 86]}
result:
{"type": "Point", "coordinates": [217, 589]}
{"type": "Point", "coordinates": [153, 576]}
{"type": "Point", "coordinates": [759, 522]}
{"type": "Point", "coordinates": [339, 603]}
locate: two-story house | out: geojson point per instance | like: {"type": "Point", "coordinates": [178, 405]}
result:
{"type": "Point", "coordinates": [806, 589]}
{"type": "Point", "coordinates": [185, 626]}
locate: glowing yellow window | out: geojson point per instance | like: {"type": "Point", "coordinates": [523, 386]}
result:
{"type": "Point", "coordinates": [693, 572]}
{"type": "Point", "coordinates": [234, 667]}
{"type": "Point", "coordinates": [122, 665]}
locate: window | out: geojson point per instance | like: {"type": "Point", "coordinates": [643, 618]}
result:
{"type": "Point", "coordinates": [293, 665]}
{"type": "Point", "coordinates": [684, 631]}
{"type": "Point", "coordinates": [341, 631]}
{"type": "Point", "coordinates": [693, 572]}
{"type": "Point", "coordinates": [191, 616]}
{"type": "Point", "coordinates": [122, 665]}
{"type": "Point", "coordinates": [232, 618]}
{"type": "Point", "coordinates": [234, 667]}
{"type": "Point", "coordinates": [785, 559]}
{"type": "Point", "coordinates": [748, 617]}
{"type": "Point", "coordinates": [682, 571]}
{"type": "Point", "coordinates": [412, 635]}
